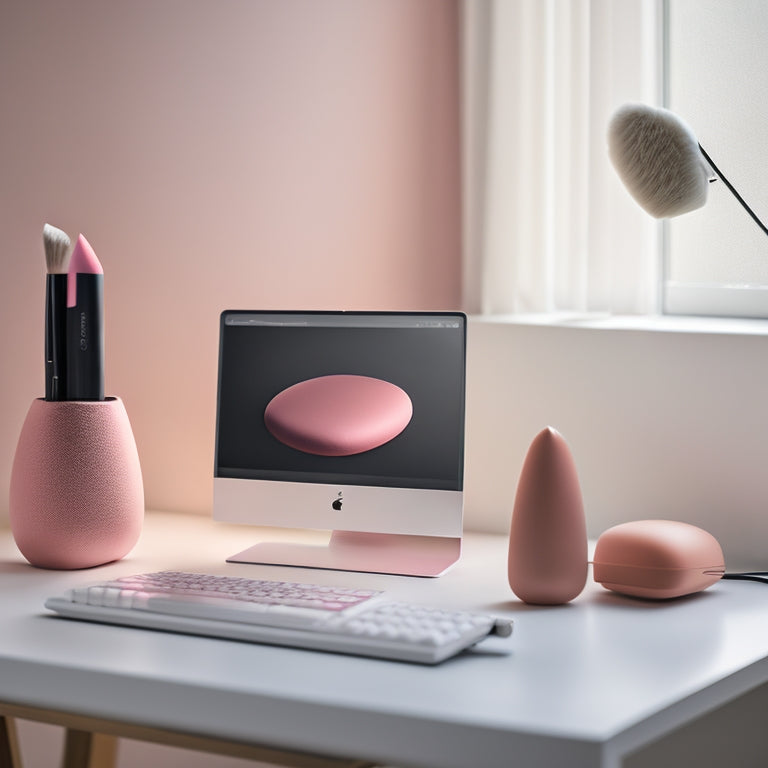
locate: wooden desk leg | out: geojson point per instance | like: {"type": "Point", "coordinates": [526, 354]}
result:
{"type": "Point", "coordinates": [10, 756]}
{"type": "Point", "coordinates": [83, 749]}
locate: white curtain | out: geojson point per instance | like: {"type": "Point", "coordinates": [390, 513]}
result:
{"type": "Point", "coordinates": [547, 225]}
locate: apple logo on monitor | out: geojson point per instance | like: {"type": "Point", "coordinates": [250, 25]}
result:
{"type": "Point", "coordinates": [338, 415]}
{"type": "Point", "coordinates": [337, 502]}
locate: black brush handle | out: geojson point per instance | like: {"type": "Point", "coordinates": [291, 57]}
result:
{"type": "Point", "coordinates": [85, 340]}
{"type": "Point", "coordinates": [56, 337]}
{"type": "Point", "coordinates": [733, 191]}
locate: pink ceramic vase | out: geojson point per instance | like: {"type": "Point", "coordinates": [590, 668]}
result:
{"type": "Point", "coordinates": [548, 536]}
{"type": "Point", "coordinates": [76, 495]}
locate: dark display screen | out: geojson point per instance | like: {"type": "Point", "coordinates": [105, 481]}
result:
{"type": "Point", "coordinates": [417, 359]}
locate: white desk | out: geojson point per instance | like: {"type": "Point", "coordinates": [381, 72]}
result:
{"type": "Point", "coordinates": [584, 685]}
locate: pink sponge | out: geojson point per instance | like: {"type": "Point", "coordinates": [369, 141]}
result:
{"type": "Point", "coordinates": [548, 534]}
{"type": "Point", "coordinates": [657, 559]}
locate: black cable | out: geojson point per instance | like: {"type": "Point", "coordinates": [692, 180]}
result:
{"type": "Point", "coordinates": [749, 576]}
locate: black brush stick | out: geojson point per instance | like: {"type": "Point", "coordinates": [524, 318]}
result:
{"type": "Point", "coordinates": [57, 251]}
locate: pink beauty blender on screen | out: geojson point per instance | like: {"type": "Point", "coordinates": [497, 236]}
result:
{"type": "Point", "coordinates": [338, 415]}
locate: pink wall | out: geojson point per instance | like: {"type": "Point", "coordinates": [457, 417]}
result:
{"type": "Point", "coordinates": [237, 154]}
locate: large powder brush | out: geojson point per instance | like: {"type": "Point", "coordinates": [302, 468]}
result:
{"type": "Point", "coordinates": [661, 163]}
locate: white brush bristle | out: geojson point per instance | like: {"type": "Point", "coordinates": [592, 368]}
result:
{"type": "Point", "coordinates": [56, 243]}
{"type": "Point", "coordinates": [658, 158]}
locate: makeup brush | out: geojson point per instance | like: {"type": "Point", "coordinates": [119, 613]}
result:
{"type": "Point", "coordinates": [661, 163]}
{"type": "Point", "coordinates": [56, 244]}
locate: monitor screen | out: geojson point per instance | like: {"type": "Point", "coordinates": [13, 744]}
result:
{"type": "Point", "coordinates": [347, 421]}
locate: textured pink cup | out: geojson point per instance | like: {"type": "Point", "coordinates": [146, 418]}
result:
{"type": "Point", "coordinates": [76, 495]}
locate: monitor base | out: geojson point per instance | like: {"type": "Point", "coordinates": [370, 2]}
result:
{"type": "Point", "coordinates": [397, 554]}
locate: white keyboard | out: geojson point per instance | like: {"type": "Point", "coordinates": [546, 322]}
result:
{"type": "Point", "coordinates": [345, 620]}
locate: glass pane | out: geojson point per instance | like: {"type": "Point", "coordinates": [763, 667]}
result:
{"type": "Point", "coordinates": [717, 60]}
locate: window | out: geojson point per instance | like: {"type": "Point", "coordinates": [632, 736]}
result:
{"type": "Point", "coordinates": [548, 225]}
{"type": "Point", "coordinates": [716, 258]}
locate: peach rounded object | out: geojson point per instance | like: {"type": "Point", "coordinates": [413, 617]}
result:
{"type": "Point", "coordinates": [338, 415]}
{"type": "Point", "coordinates": [657, 559]}
{"type": "Point", "coordinates": [76, 492]}
{"type": "Point", "coordinates": [548, 535]}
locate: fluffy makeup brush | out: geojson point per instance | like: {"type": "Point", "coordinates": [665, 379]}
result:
{"type": "Point", "coordinates": [657, 157]}
{"type": "Point", "coordinates": [661, 163]}
{"type": "Point", "coordinates": [57, 251]}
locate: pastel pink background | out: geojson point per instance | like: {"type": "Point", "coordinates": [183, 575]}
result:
{"type": "Point", "coordinates": [237, 154]}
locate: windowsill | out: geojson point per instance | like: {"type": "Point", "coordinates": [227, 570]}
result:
{"type": "Point", "coordinates": [664, 323]}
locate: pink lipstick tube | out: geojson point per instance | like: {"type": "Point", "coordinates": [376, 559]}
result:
{"type": "Point", "coordinates": [85, 324]}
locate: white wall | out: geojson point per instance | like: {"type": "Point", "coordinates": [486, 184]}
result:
{"type": "Point", "coordinates": [662, 423]}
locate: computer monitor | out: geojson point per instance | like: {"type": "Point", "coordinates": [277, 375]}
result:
{"type": "Point", "coordinates": [348, 422]}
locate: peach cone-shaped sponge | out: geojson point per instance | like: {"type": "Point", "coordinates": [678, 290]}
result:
{"type": "Point", "coordinates": [548, 535]}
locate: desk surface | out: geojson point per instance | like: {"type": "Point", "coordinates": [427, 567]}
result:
{"type": "Point", "coordinates": [584, 684]}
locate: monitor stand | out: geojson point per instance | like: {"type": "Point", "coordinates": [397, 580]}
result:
{"type": "Point", "coordinates": [398, 554]}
